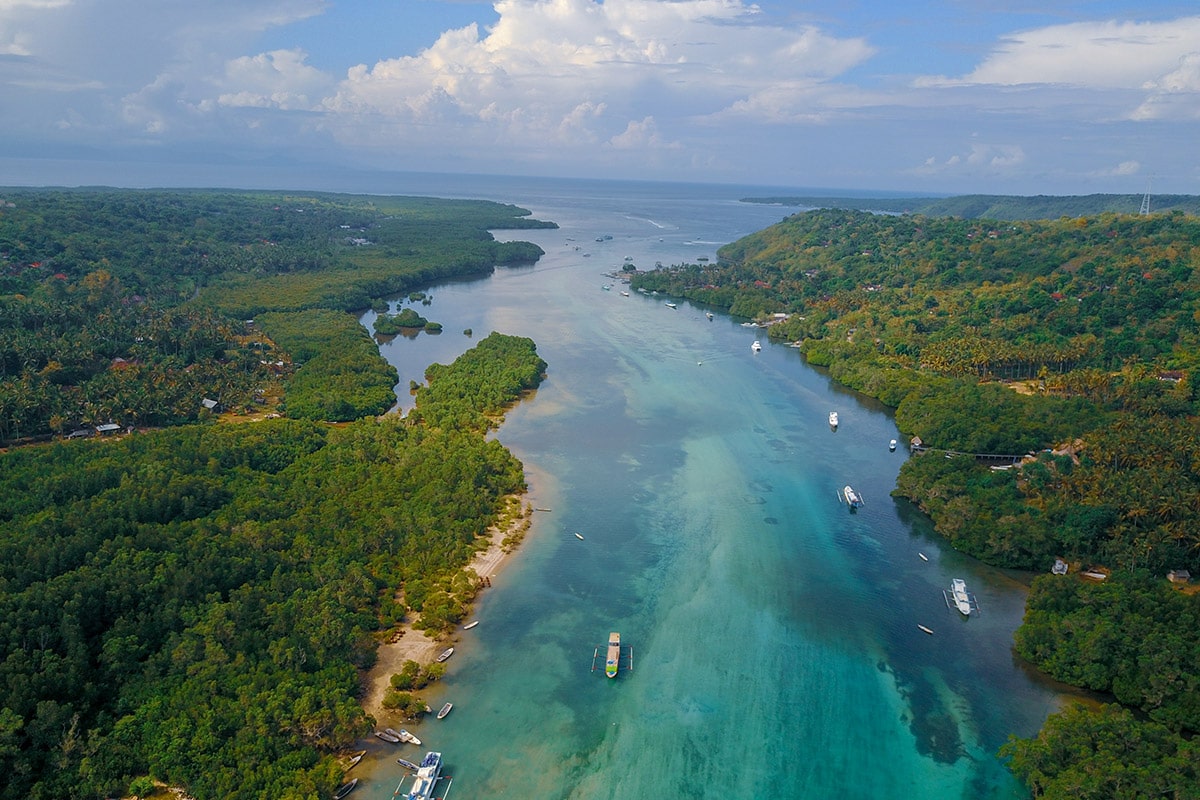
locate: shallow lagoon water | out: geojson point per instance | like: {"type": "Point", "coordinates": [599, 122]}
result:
{"type": "Point", "coordinates": [774, 633]}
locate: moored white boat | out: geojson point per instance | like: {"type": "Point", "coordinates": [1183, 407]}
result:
{"type": "Point", "coordinates": [445, 710]}
{"type": "Point", "coordinates": [449, 651]}
{"type": "Point", "coordinates": [962, 600]}
{"type": "Point", "coordinates": [345, 789]}
{"type": "Point", "coordinates": [613, 659]}
{"type": "Point", "coordinates": [389, 736]}
{"type": "Point", "coordinates": [852, 498]}
{"type": "Point", "coordinates": [470, 625]}
{"type": "Point", "coordinates": [405, 736]}
{"type": "Point", "coordinates": [428, 773]}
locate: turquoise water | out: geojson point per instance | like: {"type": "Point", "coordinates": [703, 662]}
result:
{"type": "Point", "coordinates": [774, 633]}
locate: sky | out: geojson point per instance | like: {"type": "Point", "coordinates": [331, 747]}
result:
{"type": "Point", "coordinates": [924, 96]}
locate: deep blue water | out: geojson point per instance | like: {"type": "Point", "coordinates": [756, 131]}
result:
{"type": "Point", "coordinates": [775, 643]}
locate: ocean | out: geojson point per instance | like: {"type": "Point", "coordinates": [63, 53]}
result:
{"type": "Point", "coordinates": [772, 640]}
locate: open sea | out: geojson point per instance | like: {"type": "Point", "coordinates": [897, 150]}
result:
{"type": "Point", "coordinates": [773, 634]}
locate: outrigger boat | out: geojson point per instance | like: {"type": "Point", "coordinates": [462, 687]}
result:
{"type": "Point", "coordinates": [614, 655]}
{"type": "Point", "coordinates": [960, 597]}
{"type": "Point", "coordinates": [852, 498]}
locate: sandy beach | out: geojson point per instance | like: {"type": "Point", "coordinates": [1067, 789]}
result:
{"type": "Point", "coordinates": [407, 643]}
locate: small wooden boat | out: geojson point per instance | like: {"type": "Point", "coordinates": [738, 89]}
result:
{"type": "Point", "coordinates": [397, 735]}
{"type": "Point", "coordinates": [357, 757]}
{"type": "Point", "coordinates": [579, 536]}
{"type": "Point", "coordinates": [449, 651]}
{"type": "Point", "coordinates": [927, 630]}
{"type": "Point", "coordinates": [389, 736]}
{"type": "Point", "coordinates": [470, 625]}
{"type": "Point", "coordinates": [445, 710]}
{"type": "Point", "coordinates": [407, 764]}
{"type": "Point", "coordinates": [345, 789]}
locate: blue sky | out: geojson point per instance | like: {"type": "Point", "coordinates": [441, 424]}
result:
{"type": "Point", "coordinates": [953, 96]}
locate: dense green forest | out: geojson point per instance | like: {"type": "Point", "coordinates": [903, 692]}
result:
{"type": "Point", "coordinates": [1053, 363]}
{"type": "Point", "coordinates": [997, 206]}
{"type": "Point", "coordinates": [193, 603]}
{"type": "Point", "coordinates": [132, 307]}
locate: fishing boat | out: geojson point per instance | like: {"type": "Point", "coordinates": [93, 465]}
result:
{"type": "Point", "coordinates": [357, 757]}
{"type": "Point", "coordinates": [405, 736]}
{"type": "Point", "coordinates": [445, 710]}
{"type": "Point", "coordinates": [389, 736]}
{"type": "Point", "coordinates": [833, 419]}
{"type": "Point", "coordinates": [449, 651]}
{"type": "Point", "coordinates": [345, 789]}
{"type": "Point", "coordinates": [429, 771]}
{"type": "Point", "coordinates": [614, 655]}
{"type": "Point", "coordinates": [927, 630]}
{"type": "Point", "coordinates": [579, 536]}
{"type": "Point", "coordinates": [404, 762]}
{"type": "Point", "coordinates": [470, 625]}
{"type": "Point", "coordinates": [756, 346]}
{"type": "Point", "coordinates": [852, 498]}
{"type": "Point", "coordinates": [962, 600]}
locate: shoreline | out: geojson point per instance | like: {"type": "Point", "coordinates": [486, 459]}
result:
{"type": "Point", "coordinates": [408, 643]}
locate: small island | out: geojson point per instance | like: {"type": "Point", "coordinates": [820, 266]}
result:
{"type": "Point", "coordinates": [407, 319]}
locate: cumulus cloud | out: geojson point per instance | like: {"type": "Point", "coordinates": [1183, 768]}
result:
{"type": "Point", "coordinates": [641, 135]}
{"type": "Point", "coordinates": [1125, 168]}
{"type": "Point", "coordinates": [580, 68]}
{"type": "Point", "coordinates": [278, 79]}
{"type": "Point", "coordinates": [978, 158]}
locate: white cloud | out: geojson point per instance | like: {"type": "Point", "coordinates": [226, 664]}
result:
{"type": "Point", "coordinates": [1096, 55]}
{"type": "Point", "coordinates": [1125, 168]}
{"type": "Point", "coordinates": [278, 79]}
{"type": "Point", "coordinates": [979, 158]}
{"type": "Point", "coordinates": [641, 135]}
{"type": "Point", "coordinates": [580, 68]}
